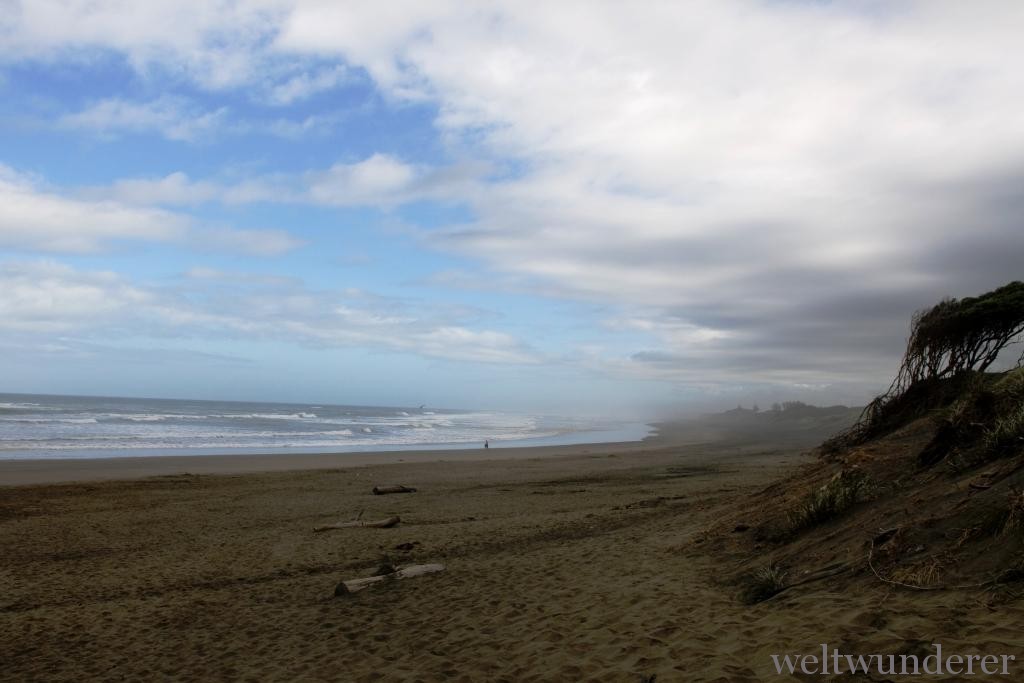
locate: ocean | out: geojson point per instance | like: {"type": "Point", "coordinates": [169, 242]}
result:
{"type": "Point", "coordinates": [37, 426]}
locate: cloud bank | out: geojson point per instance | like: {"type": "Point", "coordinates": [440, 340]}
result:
{"type": "Point", "coordinates": [768, 189]}
{"type": "Point", "coordinates": [764, 190]}
{"type": "Point", "coordinates": [57, 299]}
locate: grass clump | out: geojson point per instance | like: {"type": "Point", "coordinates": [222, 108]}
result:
{"type": "Point", "coordinates": [985, 424]}
{"type": "Point", "coordinates": [1005, 437]}
{"type": "Point", "coordinates": [829, 501]}
{"type": "Point", "coordinates": [763, 583]}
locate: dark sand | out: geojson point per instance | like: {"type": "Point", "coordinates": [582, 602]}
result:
{"type": "Point", "coordinates": [585, 566]}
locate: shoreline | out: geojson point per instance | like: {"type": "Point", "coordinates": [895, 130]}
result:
{"type": "Point", "coordinates": [24, 472]}
{"type": "Point", "coordinates": [623, 432]}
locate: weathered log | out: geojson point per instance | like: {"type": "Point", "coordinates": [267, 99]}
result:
{"type": "Point", "coordinates": [384, 490]}
{"type": "Point", "coordinates": [356, 524]}
{"type": "Point", "coordinates": [353, 585]}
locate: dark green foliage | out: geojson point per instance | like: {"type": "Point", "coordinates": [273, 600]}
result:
{"type": "Point", "coordinates": [956, 336]}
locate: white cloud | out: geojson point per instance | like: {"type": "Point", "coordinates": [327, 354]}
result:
{"type": "Point", "coordinates": [379, 179]}
{"type": "Point", "coordinates": [173, 117]}
{"type": "Point", "coordinates": [175, 188]}
{"type": "Point", "coordinates": [676, 333]}
{"type": "Point", "coordinates": [315, 125]}
{"type": "Point", "coordinates": [304, 85]}
{"type": "Point", "coordinates": [34, 218]}
{"type": "Point", "coordinates": [255, 242]}
{"type": "Point", "coordinates": [213, 43]}
{"type": "Point", "coordinates": [183, 120]}
{"type": "Point", "coordinates": [205, 274]}
{"type": "Point", "coordinates": [49, 297]}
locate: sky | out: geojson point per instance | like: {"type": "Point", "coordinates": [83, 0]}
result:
{"type": "Point", "coordinates": [565, 207]}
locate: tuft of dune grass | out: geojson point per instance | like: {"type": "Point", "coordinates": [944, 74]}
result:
{"type": "Point", "coordinates": [1005, 436]}
{"type": "Point", "coordinates": [839, 494]}
{"type": "Point", "coordinates": [763, 583]}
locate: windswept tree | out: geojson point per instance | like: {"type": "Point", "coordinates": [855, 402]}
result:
{"type": "Point", "coordinates": [953, 339]}
{"type": "Point", "coordinates": [954, 336]}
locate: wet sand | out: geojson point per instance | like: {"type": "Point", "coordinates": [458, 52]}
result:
{"type": "Point", "coordinates": [48, 471]}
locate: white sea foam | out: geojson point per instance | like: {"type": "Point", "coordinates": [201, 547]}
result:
{"type": "Point", "coordinates": [50, 420]}
{"type": "Point", "coordinates": [71, 425]}
{"type": "Point", "coordinates": [266, 416]}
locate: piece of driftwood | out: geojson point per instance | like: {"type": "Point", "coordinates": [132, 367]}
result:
{"type": "Point", "coordinates": [411, 571]}
{"type": "Point", "coordinates": [384, 490]}
{"type": "Point", "coordinates": [357, 524]}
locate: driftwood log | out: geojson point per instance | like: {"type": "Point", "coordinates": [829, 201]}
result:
{"type": "Point", "coordinates": [384, 490]}
{"type": "Point", "coordinates": [353, 585]}
{"type": "Point", "coordinates": [356, 524]}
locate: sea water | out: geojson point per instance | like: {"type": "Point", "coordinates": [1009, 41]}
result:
{"type": "Point", "coordinates": [37, 426]}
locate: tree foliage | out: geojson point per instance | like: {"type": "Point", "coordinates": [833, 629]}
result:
{"type": "Point", "coordinates": [954, 336]}
{"type": "Point", "coordinates": [948, 343]}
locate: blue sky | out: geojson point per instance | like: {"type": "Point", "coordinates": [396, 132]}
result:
{"type": "Point", "coordinates": [573, 208]}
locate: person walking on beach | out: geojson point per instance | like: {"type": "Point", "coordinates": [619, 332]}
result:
{"type": "Point", "coordinates": [487, 443]}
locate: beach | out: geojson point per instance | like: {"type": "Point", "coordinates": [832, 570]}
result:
{"type": "Point", "coordinates": [430, 342]}
{"type": "Point", "coordinates": [602, 562]}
